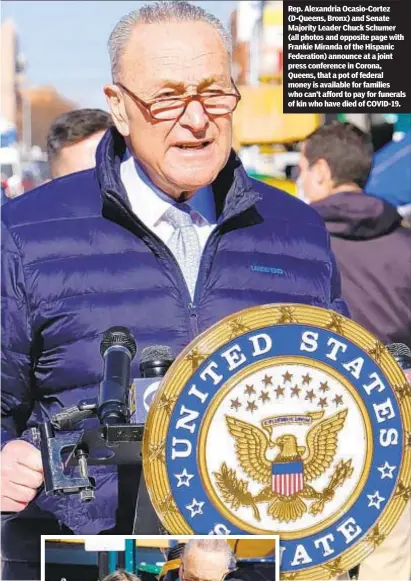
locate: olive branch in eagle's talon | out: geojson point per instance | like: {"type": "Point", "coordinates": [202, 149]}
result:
{"type": "Point", "coordinates": [234, 491]}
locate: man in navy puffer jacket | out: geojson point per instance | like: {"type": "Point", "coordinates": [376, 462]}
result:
{"type": "Point", "coordinates": [91, 250]}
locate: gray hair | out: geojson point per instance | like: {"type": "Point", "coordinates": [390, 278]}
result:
{"type": "Point", "coordinates": [210, 546]}
{"type": "Point", "coordinates": [163, 11]}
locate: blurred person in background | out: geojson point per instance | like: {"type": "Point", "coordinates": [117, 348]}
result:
{"type": "Point", "coordinates": [373, 252]}
{"type": "Point", "coordinates": [372, 248]}
{"type": "Point", "coordinates": [73, 139]}
{"type": "Point", "coordinates": [167, 236]}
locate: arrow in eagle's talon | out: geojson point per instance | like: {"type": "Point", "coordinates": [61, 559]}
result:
{"type": "Point", "coordinates": [317, 507]}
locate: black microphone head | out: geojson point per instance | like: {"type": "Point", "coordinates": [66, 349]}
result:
{"type": "Point", "coordinates": [118, 336]}
{"type": "Point", "coordinates": [156, 353]}
{"type": "Point", "coordinates": [401, 354]}
{"type": "Point", "coordinates": [155, 360]}
{"type": "Point", "coordinates": [399, 350]}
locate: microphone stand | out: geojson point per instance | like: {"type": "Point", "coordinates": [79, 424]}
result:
{"type": "Point", "coordinates": [65, 441]}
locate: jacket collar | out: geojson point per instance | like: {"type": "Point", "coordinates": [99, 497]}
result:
{"type": "Point", "coordinates": [233, 189]}
{"type": "Point", "coordinates": [357, 216]}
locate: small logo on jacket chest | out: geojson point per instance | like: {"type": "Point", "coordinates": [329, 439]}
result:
{"type": "Point", "coordinates": [267, 269]}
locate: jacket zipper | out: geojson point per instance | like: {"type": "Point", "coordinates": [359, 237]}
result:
{"type": "Point", "coordinates": [191, 306]}
{"type": "Point", "coordinates": [191, 303]}
{"type": "Point", "coordinates": [193, 319]}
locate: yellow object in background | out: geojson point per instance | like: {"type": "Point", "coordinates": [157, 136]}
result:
{"type": "Point", "coordinates": [273, 14]}
{"type": "Point", "coordinates": [259, 118]}
{"type": "Point", "coordinates": [252, 548]}
{"type": "Point", "coordinates": [288, 186]}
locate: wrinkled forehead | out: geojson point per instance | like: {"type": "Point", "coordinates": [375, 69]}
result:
{"type": "Point", "coordinates": [181, 52]}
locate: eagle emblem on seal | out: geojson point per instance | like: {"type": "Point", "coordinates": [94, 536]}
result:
{"type": "Point", "coordinates": [286, 478]}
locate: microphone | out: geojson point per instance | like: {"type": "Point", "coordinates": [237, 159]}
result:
{"type": "Point", "coordinates": [155, 361]}
{"type": "Point", "coordinates": [401, 354]}
{"type": "Point", "coordinates": [118, 349]}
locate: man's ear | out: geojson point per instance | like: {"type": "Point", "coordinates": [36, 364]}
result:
{"type": "Point", "coordinates": [115, 102]}
{"type": "Point", "coordinates": [323, 171]}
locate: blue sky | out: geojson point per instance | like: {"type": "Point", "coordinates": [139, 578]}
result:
{"type": "Point", "coordinates": [65, 41]}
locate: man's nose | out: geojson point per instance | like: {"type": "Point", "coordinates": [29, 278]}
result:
{"type": "Point", "coordinates": [194, 117]}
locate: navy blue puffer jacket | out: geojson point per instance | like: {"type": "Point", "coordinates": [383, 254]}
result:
{"type": "Point", "coordinates": [76, 261]}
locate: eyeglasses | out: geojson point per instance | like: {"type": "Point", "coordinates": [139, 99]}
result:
{"type": "Point", "coordinates": [166, 109]}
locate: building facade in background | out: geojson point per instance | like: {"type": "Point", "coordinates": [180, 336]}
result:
{"type": "Point", "coordinates": [10, 72]}
{"type": "Point", "coordinates": [26, 115]}
{"type": "Point", "coordinates": [265, 138]}
{"type": "Point", "coordinates": [29, 110]}
{"type": "Point", "coordinates": [45, 104]}
{"type": "Point", "coordinates": [257, 31]}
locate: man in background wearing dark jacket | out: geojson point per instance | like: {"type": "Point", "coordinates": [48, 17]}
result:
{"type": "Point", "coordinates": [373, 252]}
{"type": "Point", "coordinates": [166, 235]}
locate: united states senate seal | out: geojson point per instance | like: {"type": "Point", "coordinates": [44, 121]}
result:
{"type": "Point", "coordinates": [289, 420]}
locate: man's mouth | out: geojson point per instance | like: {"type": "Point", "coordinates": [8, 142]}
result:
{"type": "Point", "coordinates": [194, 145]}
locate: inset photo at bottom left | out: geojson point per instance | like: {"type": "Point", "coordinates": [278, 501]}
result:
{"type": "Point", "coordinates": [160, 558]}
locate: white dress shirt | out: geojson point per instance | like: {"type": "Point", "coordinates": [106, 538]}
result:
{"type": "Point", "coordinates": [149, 203]}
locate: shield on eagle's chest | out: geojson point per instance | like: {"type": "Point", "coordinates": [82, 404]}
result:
{"type": "Point", "coordinates": [287, 477]}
